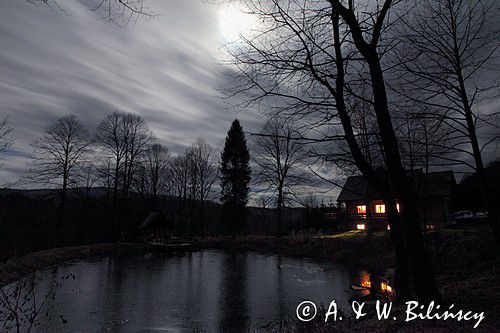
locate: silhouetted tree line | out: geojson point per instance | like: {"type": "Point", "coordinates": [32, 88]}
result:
{"type": "Point", "coordinates": [99, 187]}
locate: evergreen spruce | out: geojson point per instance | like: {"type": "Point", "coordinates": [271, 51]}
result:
{"type": "Point", "coordinates": [235, 176]}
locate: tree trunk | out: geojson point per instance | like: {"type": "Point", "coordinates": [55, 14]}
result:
{"type": "Point", "coordinates": [114, 205]}
{"type": "Point", "coordinates": [279, 210]}
{"type": "Point", "coordinates": [63, 233]}
{"type": "Point", "coordinates": [386, 132]}
{"type": "Point", "coordinates": [487, 194]}
{"type": "Point", "coordinates": [422, 274]}
{"type": "Point", "coordinates": [62, 205]}
{"type": "Point", "coordinates": [368, 217]}
{"type": "Point", "coordinates": [402, 275]}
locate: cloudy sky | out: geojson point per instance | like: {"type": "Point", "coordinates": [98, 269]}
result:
{"type": "Point", "coordinates": [167, 69]}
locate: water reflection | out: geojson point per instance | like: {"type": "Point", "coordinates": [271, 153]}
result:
{"type": "Point", "coordinates": [374, 288]}
{"type": "Point", "coordinates": [365, 279]}
{"type": "Point", "coordinates": [203, 291]}
{"type": "Point", "coordinates": [233, 313]}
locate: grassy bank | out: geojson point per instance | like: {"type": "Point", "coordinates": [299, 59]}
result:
{"type": "Point", "coordinates": [373, 253]}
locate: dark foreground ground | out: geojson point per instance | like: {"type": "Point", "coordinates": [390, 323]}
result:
{"type": "Point", "coordinates": [465, 262]}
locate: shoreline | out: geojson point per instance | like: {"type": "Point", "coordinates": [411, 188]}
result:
{"type": "Point", "coordinates": [350, 248]}
{"type": "Point", "coordinates": [15, 268]}
{"type": "Point", "coordinates": [464, 280]}
{"type": "Point", "coordinates": [319, 248]}
{"type": "Point", "coordinates": [335, 248]}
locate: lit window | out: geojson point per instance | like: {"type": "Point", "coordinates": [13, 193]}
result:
{"type": "Point", "coordinates": [380, 209]}
{"type": "Point", "coordinates": [397, 207]}
{"type": "Point", "coordinates": [360, 227]}
{"type": "Point", "coordinates": [361, 209]}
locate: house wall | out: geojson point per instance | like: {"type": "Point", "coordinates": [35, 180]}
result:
{"type": "Point", "coordinates": [378, 220]}
{"type": "Point", "coordinates": [432, 211]}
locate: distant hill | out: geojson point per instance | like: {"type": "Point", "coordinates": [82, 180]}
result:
{"type": "Point", "coordinates": [47, 193]}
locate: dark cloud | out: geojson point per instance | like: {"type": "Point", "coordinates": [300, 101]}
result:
{"type": "Point", "coordinates": [165, 69]}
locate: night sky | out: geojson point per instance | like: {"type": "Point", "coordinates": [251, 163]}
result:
{"type": "Point", "coordinates": [169, 69]}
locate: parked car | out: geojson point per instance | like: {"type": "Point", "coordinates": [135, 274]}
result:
{"type": "Point", "coordinates": [463, 215]}
{"type": "Point", "coordinates": [481, 216]}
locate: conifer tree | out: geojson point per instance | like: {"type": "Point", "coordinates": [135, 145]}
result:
{"type": "Point", "coordinates": [235, 177]}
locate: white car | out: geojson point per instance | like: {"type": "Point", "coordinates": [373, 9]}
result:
{"type": "Point", "coordinates": [481, 216]}
{"type": "Point", "coordinates": [463, 215]}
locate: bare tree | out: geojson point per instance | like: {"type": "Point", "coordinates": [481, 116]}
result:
{"type": "Point", "coordinates": [105, 174]}
{"type": "Point", "coordinates": [6, 139]}
{"type": "Point", "coordinates": [449, 63]}
{"type": "Point", "coordinates": [88, 176]}
{"type": "Point", "coordinates": [309, 200]}
{"type": "Point", "coordinates": [280, 161]}
{"type": "Point", "coordinates": [23, 308]}
{"type": "Point", "coordinates": [204, 173]}
{"type": "Point", "coordinates": [123, 139]}
{"type": "Point", "coordinates": [192, 187]}
{"type": "Point", "coordinates": [156, 168]}
{"type": "Point", "coordinates": [179, 173]}
{"type": "Point", "coordinates": [136, 137]}
{"type": "Point", "coordinates": [192, 175]}
{"type": "Point", "coordinates": [121, 12]}
{"type": "Point", "coordinates": [58, 153]}
{"type": "Point", "coordinates": [312, 60]}
{"type": "Point", "coordinates": [110, 138]}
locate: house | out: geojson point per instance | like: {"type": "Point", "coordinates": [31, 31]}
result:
{"type": "Point", "coordinates": [364, 205]}
{"type": "Point", "coordinates": [156, 228]}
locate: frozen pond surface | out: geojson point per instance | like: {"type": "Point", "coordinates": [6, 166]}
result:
{"type": "Point", "coordinates": [204, 291]}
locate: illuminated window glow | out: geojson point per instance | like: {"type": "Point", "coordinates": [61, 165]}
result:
{"type": "Point", "coordinates": [360, 227]}
{"type": "Point", "coordinates": [380, 209]}
{"type": "Point", "coordinates": [361, 209]}
{"type": "Point", "coordinates": [397, 207]}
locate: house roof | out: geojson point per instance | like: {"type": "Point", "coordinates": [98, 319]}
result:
{"type": "Point", "coordinates": [156, 220]}
{"type": "Point", "coordinates": [439, 184]}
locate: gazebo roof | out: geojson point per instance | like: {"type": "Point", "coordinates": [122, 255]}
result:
{"type": "Point", "coordinates": [156, 220]}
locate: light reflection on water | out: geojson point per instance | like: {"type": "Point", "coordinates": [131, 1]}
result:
{"type": "Point", "coordinates": [207, 290]}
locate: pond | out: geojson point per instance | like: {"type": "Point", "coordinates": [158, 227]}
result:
{"type": "Point", "coordinates": [207, 290]}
